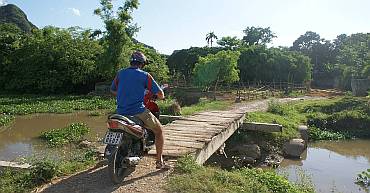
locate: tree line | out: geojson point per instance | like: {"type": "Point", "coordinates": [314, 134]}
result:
{"type": "Point", "coordinates": [55, 61]}
{"type": "Point", "coordinates": [326, 63]}
{"type": "Point", "coordinates": [60, 61]}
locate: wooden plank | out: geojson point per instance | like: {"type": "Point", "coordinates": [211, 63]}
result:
{"type": "Point", "coordinates": [174, 153]}
{"type": "Point", "coordinates": [188, 121]}
{"type": "Point", "coordinates": [193, 128]}
{"type": "Point", "coordinates": [175, 132]}
{"type": "Point", "coordinates": [188, 139]}
{"type": "Point", "coordinates": [187, 135]}
{"type": "Point", "coordinates": [196, 127]}
{"type": "Point", "coordinates": [263, 127]}
{"type": "Point", "coordinates": [221, 114]}
{"type": "Point", "coordinates": [202, 155]}
{"type": "Point", "coordinates": [7, 164]}
{"type": "Point", "coordinates": [197, 145]}
{"type": "Point", "coordinates": [201, 120]}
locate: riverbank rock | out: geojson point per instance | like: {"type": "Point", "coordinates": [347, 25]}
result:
{"type": "Point", "coordinates": [85, 144]}
{"type": "Point", "coordinates": [250, 151]}
{"type": "Point", "coordinates": [294, 148]}
{"type": "Point", "coordinates": [303, 130]}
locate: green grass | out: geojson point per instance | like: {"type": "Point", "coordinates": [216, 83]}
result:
{"type": "Point", "coordinates": [192, 178]}
{"type": "Point", "coordinates": [278, 113]}
{"type": "Point", "coordinates": [44, 170]}
{"type": "Point", "coordinates": [62, 136]}
{"type": "Point", "coordinates": [24, 105]}
{"type": "Point", "coordinates": [364, 179]}
{"type": "Point", "coordinates": [329, 119]}
{"type": "Point", "coordinates": [5, 119]}
{"type": "Point", "coordinates": [205, 106]}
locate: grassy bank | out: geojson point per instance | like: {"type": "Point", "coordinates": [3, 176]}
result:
{"type": "Point", "coordinates": [67, 161]}
{"type": "Point", "coordinates": [29, 104]}
{"type": "Point", "coordinates": [44, 170]}
{"type": "Point", "coordinates": [62, 136]}
{"type": "Point", "coordinates": [328, 119]}
{"type": "Point", "coordinates": [190, 178]}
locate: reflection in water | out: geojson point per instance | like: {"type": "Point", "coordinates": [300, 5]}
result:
{"type": "Point", "coordinates": [21, 138]}
{"type": "Point", "coordinates": [334, 165]}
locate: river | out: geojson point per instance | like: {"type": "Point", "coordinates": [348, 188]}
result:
{"type": "Point", "coordinates": [20, 139]}
{"type": "Point", "coordinates": [332, 165]}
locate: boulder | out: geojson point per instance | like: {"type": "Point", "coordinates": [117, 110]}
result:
{"type": "Point", "coordinates": [85, 144]}
{"type": "Point", "coordinates": [251, 151]}
{"type": "Point", "coordinates": [294, 148]}
{"type": "Point", "coordinates": [303, 130]}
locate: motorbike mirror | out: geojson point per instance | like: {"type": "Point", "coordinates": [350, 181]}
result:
{"type": "Point", "coordinates": [164, 86]}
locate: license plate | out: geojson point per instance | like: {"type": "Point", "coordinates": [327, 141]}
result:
{"type": "Point", "coordinates": [112, 138]}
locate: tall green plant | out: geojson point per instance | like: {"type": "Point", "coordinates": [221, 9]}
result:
{"type": "Point", "coordinates": [217, 68]}
{"type": "Point", "coordinates": [119, 32]}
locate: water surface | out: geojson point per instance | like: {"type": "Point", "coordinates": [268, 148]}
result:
{"type": "Point", "coordinates": [20, 139]}
{"type": "Point", "coordinates": [333, 165]}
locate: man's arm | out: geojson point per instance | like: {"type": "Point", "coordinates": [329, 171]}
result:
{"type": "Point", "coordinates": [160, 94]}
{"type": "Point", "coordinates": [154, 88]}
{"type": "Point", "coordinates": [114, 86]}
{"type": "Point", "coordinates": [113, 92]}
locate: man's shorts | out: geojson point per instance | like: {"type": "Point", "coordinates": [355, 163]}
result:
{"type": "Point", "coordinates": [150, 121]}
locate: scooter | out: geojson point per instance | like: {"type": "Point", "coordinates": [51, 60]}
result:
{"type": "Point", "coordinates": [128, 141]}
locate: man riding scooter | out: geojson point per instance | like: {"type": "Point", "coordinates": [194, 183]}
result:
{"type": "Point", "coordinates": [129, 87]}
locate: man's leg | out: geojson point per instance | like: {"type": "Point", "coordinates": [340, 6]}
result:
{"type": "Point", "coordinates": [151, 122]}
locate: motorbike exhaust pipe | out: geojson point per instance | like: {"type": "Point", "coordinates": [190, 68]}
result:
{"type": "Point", "coordinates": [132, 161]}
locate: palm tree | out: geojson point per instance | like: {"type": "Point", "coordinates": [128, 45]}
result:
{"type": "Point", "coordinates": [210, 36]}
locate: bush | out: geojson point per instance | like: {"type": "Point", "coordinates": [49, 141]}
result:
{"type": "Point", "coordinates": [277, 108]}
{"type": "Point", "coordinates": [319, 134]}
{"type": "Point", "coordinates": [5, 119]}
{"type": "Point", "coordinates": [193, 178]}
{"type": "Point", "coordinates": [62, 136]}
{"type": "Point", "coordinates": [43, 171]}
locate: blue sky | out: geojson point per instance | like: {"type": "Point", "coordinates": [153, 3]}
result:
{"type": "Point", "coordinates": [177, 24]}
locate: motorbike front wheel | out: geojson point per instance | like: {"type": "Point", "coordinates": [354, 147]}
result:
{"type": "Point", "coordinates": [117, 169]}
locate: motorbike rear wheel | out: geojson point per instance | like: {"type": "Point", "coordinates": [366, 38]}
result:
{"type": "Point", "coordinates": [117, 169]}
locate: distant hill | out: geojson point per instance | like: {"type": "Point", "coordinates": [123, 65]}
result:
{"type": "Point", "coordinates": [12, 14]}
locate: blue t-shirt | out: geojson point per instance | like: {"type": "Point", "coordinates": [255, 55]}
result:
{"type": "Point", "coordinates": [130, 85]}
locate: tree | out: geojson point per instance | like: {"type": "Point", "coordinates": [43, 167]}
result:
{"type": "Point", "coordinates": [182, 62]}
{"type": "Point", "coordinates": [214, 69]}
{"type": "Point", "coordinates": [322, 54]}
{"type": "Point", "coordinates": [258, 63]}
{"type": "Point", "coordinates": [230, 43]}
{"type": "Point", "coordinates": [209, 37]}
{"type": "Point", "coordinates": [258, 35]}
{"type": "Point", "coordinates": [118, 35]}
{"type": "Point", "coordinates": [52, 60]}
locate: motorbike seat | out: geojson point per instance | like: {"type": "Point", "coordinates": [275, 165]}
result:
{"type": "Point", "coordinates": [132, 120]}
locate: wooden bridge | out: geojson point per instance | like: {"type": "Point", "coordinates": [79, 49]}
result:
{"type": "Point", "coordinates": [200, 134]}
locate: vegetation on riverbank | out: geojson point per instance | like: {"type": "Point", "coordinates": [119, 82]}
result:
{"type": "Point", "coordinates": [189, 177]}
{"type": "Point", "coordinates": [328, 119]}
{"type": "Point", "coordinates": [364, 179]}
{"type": "Point", "coordinates": [5, 119]}
{"type": "Point", "coordinates": [62, 136]}
{"type": "Point", "coordinates": [44, 170]}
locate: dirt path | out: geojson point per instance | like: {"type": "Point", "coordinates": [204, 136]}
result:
{"type": "Point", "coordinates": [144, 179]}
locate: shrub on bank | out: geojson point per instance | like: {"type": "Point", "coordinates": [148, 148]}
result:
{"type": "Point", "coordinates": [5, 119]}
{"type": "Point", "coordinates": [43, 171]}
{"type": "Point", "coordinates": [189, 178]}
{"type": "Point", "coordinates": [62, 136]}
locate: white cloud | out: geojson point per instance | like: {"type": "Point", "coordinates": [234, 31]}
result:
{"type": "Point", "coordinates": [74, 11]}
{"type": "Point", "coordinates": [3, 2]}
